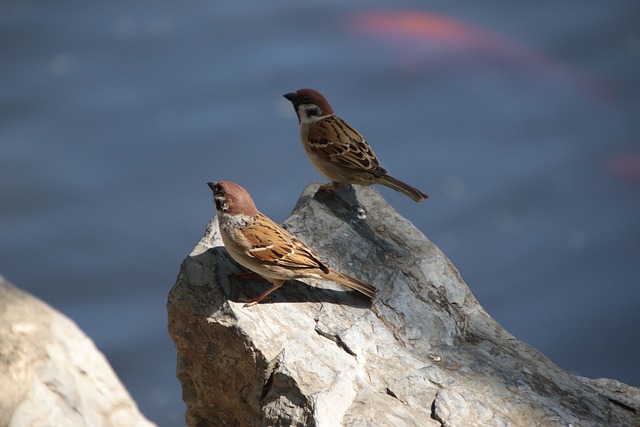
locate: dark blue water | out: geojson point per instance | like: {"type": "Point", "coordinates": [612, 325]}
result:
{"type": "Point", "coordinates": [521, 121]}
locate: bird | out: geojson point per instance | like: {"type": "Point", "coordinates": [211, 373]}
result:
{"type": "Point", "coordinates": [259, 244]}
{"type": "Point", "coordinates": [337, 150]}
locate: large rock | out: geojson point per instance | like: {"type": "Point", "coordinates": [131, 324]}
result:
{"type": "Point", "coordinates": [425, 353]}
{"type": "Point", "coordinates": [51, 374]}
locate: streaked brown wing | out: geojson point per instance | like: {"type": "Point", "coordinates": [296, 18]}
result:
{"type": "Point", "coordinates": [273, 244]}
{"type": "Point", "coordinates": [336, 139]}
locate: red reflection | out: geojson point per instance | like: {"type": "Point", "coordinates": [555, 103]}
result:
{"type": "Point", "coordinates": [625, 167]}
{"type": "Point", "coordinates": [418, 40]}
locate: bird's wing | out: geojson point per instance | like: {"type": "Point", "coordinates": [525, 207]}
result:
{"type": "Point", "coordinates": [270, 243]}
{"type": "Point", "coordinates": [345, 146]}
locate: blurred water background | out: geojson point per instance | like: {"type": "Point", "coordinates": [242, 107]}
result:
{"type": "Point", "coordinates": [521, 120]}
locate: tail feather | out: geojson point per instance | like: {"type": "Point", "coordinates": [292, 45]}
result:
{"type": "Point", "coordinates": [350, 282]}
{"type": "Point", "coordinates": [405, 189]}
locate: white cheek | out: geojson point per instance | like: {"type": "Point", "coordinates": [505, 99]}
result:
{"type": "Point", "coordinates": [304, 119]}
{"type": "Point", "coordinates": [302, 113]}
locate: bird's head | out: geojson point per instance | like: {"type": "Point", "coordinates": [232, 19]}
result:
{"type": "Point", "coordinates": [309, 104]}
{"type": "Point", "coordinates": [230, 198]}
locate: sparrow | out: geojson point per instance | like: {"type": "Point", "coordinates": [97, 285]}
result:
{"type": "Point", "coordinates": [338, 151]}
{"type": "Point", "coordinates": [262, 246]}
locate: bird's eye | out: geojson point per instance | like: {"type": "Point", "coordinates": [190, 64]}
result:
{"type": "Point", "coordinates": [306, 99]}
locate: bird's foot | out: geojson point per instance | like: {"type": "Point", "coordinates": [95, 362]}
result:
{"type": "Point", "coordinates": [250, 302]}
{"type": "Point", "coordinates": [332, 186]}
{"type": "Point", "coordinates": [253, 301]}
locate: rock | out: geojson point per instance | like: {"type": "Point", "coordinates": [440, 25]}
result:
{"type": "Point", "coordinates": [425, 353]}
{"type": "Point", "coordinates": [51, 374]}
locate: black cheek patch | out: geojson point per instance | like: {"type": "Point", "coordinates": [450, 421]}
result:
{"type": "Point", "coordinates": [313, 111]}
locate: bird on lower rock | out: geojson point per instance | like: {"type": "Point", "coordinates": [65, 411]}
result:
{"type": "Point", "coordinates": [262, 246]}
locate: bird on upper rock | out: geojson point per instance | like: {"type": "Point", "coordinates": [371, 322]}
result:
{"type": "Point", "coordinates": [262, 246]}
{"type": "Point", "coordinates": [338, 151]}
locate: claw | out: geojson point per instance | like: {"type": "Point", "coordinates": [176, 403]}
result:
{"type": "Point", "coordinates": [253, 301]}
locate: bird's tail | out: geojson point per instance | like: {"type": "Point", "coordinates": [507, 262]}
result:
{"type": "Point", "coordinates": [350, 282]}
{"type": "Point", "coordinates": [405, 189]}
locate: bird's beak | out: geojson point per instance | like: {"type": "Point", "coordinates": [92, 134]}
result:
{"type": "Point", "coordinates": [211, 185]}
{"type": "Point", "coordinates": [291, 97]}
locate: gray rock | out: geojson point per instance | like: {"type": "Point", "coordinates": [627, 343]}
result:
{"type": "Point", "coordinates": [51, 374]}
{"type": "Point", "coordinates": [425, 353]}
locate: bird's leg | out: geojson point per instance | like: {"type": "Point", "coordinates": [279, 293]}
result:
{"type": "Point", "coordinates": [253, 301]}
{"type": "Point", "coordinates": [332, 186]}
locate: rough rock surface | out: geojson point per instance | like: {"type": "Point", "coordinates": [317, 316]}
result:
{"type": "Point", "coordinates": [425, 353]}
{"type": "Point", "coordinates": [51, 374]}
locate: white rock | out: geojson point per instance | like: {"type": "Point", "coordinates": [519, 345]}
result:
{"type": "Point", "coordinates": [51, 374]}
{"type": "Point", "coordinates": [425, 353]}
